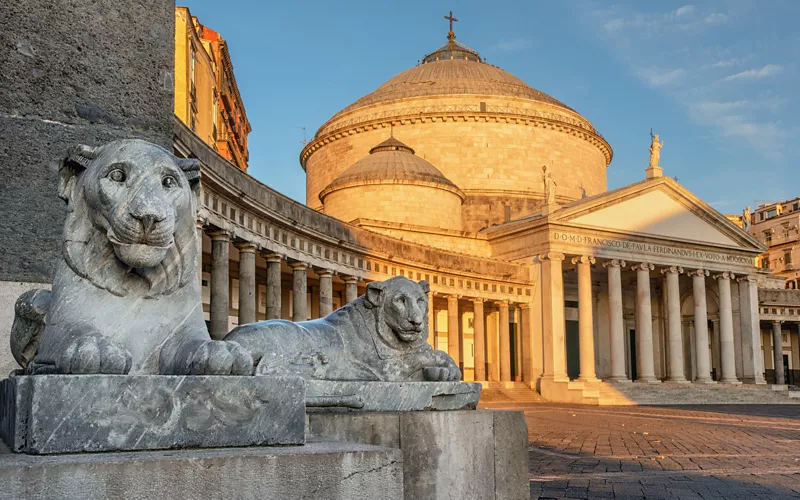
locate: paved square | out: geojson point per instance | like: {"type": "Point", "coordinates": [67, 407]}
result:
{"type": "Point", "coordinates": [702, 452]}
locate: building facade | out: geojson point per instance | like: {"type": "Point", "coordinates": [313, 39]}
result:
{"type": "Point", "coordinates": [207, 98]}
{"type": "Point", "coordinates": [539, 277]}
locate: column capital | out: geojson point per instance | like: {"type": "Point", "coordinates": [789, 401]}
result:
{"type": "Point", "coordinates": [524, 305]}
{"type": "Point", "coordinates": [452, 296]}
{"type": "Point", "coordinates": [615, 263]}
{"type": "Point", "coordinates": [502, 302]}
{"type": "Point", "coordinates": [643, 266]}
{"type": "Point", "coordinates": [555, 256]}
{"type": "Point", "coordinates": [698, 272]}
{"type": "Point", "coordinates": [777, 322]}
{"type": "Point", "coordinates": [200, 224]}
{"type": "Point", "coordinates": [323, 272]}
{"type": "Point", "coordinates": [298, 266]}
{"type": "Point", "coordinates": [272, 257]}
{"type": "Point", "coordinates": [672, 270]}
{"type": "Point", "coordinates": [220, 235]}
{"type": "Point", "coordinates": [245, 247]}
{"type": "Point", "coordinates": [583, 259]}
{"type": "Point", "coordinates": [747, 277]}
{"type": "Point", "coordinates": [725, 275]}
{"type": "Point", "coordinates": [476, 300]}
{"type": "Point", "coordinates": [350, 280]}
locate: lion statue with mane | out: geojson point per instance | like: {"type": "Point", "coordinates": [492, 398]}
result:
{"type": "Point", "coordinates": [381, 336]}
{"type": "Point", "coordinates": [126, 296]}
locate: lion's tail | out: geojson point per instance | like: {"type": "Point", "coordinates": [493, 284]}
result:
{"type": "Point", "coordinates": [29, 320]}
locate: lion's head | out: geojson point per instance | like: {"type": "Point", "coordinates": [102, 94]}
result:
{"type": "Point", "coordinates": [401, 307]}
{"type": "Point", "coordinates": [131, 216]}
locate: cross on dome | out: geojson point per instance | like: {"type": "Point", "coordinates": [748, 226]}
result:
{"type": "Point", "coordinates": [451, 35]}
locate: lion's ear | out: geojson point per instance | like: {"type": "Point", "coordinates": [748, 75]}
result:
{"type": "Point", "coordinates": [374, 293]}
{"type": "Point", "coordinates": [426, 287]}
{"type": "Point", "coordinates": [191, 169]}
{"type": "Point", "coordinates": [76, 161]}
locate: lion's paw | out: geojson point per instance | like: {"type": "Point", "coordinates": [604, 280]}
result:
{"type": "Point", "coordinates": [92, 354]}
{"type": "Point", "coordinates": [442, 373]}
{"type": "Point", "coordinates": [221, 358]}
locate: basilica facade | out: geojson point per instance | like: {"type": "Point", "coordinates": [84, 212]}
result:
{"type": "Point", "coordinates": [458, 173]}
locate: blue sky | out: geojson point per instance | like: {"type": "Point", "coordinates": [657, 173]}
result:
{"type": "Point", "coordinates": [718, 80]}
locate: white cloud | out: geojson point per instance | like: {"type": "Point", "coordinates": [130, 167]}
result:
{"type": "Point", "coordinates": [657, 77]}
{"type": "Point", "coordinates": [726, 63]}
{"type": "Point", "coordinates": [716, 18]}
{"type": "Point", "coordinates": [754, 74]}
{"type": "Point", "coordinates": [685, 10]}
{"type": "Point", "coordinates": [614, 25]}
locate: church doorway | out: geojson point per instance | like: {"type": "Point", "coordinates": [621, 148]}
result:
{"type": "Point", "coordinates": [573, 350]}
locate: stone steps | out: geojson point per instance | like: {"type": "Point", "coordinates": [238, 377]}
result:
{"type": "Point", "coordinates": [631, 393]}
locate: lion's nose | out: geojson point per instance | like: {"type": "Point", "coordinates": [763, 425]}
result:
{"type": "Point", "coordinates": [148, 220]}
{"type": "Point", "coordinates": [415, 322]}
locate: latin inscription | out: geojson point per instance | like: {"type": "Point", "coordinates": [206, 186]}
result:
{"type": "Point", "coordinates": [636, 246]}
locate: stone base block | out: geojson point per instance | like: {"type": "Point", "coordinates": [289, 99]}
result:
{"type": "Point", "coordinates": [320, 469]}
{"type": "Point", "coordinates": [453, 454]}
{"type": "Point", "coordinates": [326, 395]}
{"type": "Point", "coordinates": [45, 414]}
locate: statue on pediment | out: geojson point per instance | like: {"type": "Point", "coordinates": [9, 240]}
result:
{"type": "Point", "coordinates": [655, 149]}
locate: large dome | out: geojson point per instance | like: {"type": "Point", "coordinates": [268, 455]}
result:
{"type": "Point", "coordinates": [453, 76]}
{"type": "Point", "coordinates": [485, 130]}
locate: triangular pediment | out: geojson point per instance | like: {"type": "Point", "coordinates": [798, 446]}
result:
{"type": "Point", "coordinates": [657, 208]}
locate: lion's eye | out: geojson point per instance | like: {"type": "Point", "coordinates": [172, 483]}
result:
{"type": "Point", "coordinates": [116, 175]}
{"type": "Point", "coordinates": [169, 182]}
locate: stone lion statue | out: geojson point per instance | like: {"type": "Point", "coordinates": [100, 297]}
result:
{"type": "Point", "coordinates": [381, 336]}
{"type": "Point", "coordinates": [126, 296]}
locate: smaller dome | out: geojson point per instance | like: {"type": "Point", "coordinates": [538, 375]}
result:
{"type": "Point", "coordinates": [391, 162]}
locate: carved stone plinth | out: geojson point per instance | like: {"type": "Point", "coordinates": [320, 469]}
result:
{"type": "Point", "coordinates": [330, 395]}
{"type": "Point", "coordinates": [45, 414]}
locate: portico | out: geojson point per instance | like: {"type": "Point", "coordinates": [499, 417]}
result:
{"type": "Point", "coordinates": [645, 284]}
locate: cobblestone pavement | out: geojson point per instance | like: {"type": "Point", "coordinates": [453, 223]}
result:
{"type": "Point", "coordinates": [692, 452]}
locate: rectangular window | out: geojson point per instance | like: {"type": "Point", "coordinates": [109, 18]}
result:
{"type": "Point", "coordinates": [787, 258]}
{"type": "Point", "coordinates": [768, 237]}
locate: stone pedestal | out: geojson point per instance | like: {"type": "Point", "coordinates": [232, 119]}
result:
{"type": "Point", "coordinates": [44, 414]}
{"type": "Point", "coordinates": [333, 395]}
{"type": "Point", "coordinates": [453, 454]}
{"type": "Point", "coordinates": [320, 469]}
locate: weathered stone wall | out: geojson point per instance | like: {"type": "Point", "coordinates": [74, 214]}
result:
{"type": "Point", "coordinates": [400, 203]}
{"type": "Point", "coordinates": [73, 72]}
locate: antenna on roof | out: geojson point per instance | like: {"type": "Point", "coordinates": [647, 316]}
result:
{"type": "Point", "coordinates": [304, 141]}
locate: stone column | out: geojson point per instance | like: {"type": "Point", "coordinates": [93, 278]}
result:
{"type": "Point", "coordinates": [702, 355]}
{"type": "Point", "coordinates": [350, 289]}
{"type": "Point", "coordinates": [220, 285]}
{"type": "Point", "coordinates": [247, 283]}
{"type": "Point", "coordinates": [777, 352]}
{"type": "Point", "coordinates": [325, 292]}
{"type": "Point", "coordinates": [273, 285]}
{"type": "Point", "coordinates": [453, 337]}
{"type": "Point", "coordinates": [525, 336]}
{"type": "Point", "coordinates": [431, 321]}
{"type": "Point", "coordinates": [675, 366]}
{"type": "Point", "coordinates": [480, 339]}
{"type": "Point", "coordinates": [492, 349]}
{"type": "Point", "coordinates": [616, 323]}
{"type": "Point", "coordinates": [644, 323]}
{"type": "Point", "coordinates": [505, 342]}
{"type": "Point", "coordinates": [727, 356]}
{"type": "Point", "coordinates": [553, 326]}
{"type": "Point", "coordinates": [585, 320]}
{"type": "Point", "coordinates": [299, 290]}
{"type": "Point", "coordinates": [752, 357]}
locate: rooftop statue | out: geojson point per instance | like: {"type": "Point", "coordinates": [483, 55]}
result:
{"type": "Point", "coordinates": [746, 220]}
{"type": "Point", "coordinates": [655, 149]}
{"type": "Point", "coordinates": [549, 187]}
{"type": "Point", "coordinates": [381, 336]}
{"type": "Point", "coordinates": [125, 297]}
